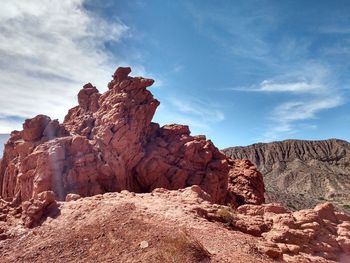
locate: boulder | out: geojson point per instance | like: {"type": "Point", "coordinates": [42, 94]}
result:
{"type": "Point", "coordinates": [245, 183]}
{"type": "Point", "coordinates": [36, 208]}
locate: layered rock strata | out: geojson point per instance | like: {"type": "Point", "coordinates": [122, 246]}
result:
{"type": "Point", "coordinates": [301, 173]}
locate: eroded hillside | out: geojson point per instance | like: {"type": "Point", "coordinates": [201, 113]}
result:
{"type": "Point", "coordinates": [302, 173]}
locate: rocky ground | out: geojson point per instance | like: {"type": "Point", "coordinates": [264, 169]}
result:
{"type": "Point", "coordinates": [124, 227]}
{"type": "Point", "coordinates": [175, 226]}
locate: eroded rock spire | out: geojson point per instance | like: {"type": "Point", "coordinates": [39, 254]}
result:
{"type": "Point", "coordinates": [108, 143]}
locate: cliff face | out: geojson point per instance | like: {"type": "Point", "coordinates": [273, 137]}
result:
{"type": "Point", "coordinates": [108, 143]}
{"type": "Point", "coordinates": [302, 173]}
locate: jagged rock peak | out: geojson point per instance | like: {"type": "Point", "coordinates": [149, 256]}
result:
{"type": "Point", "coordinates": [108, 143]}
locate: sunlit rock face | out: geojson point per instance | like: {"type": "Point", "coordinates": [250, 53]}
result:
{"type": "Point", "coordinates": [245, 185]}
{"type": "Point", "coordinates": [108, 143]}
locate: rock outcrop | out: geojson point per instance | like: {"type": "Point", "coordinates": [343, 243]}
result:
{"type": "Point", "coordinates": [306, 235]}
{"type": "Point", "coordinates": [245, 185]}
{"type": "Point", "coordinates": [108, 143]}
{"type": "Point", "coordinates": [34, 210]}
{"type": "Point", "coordinates": [311, 235]}
{"type": "Point", "coordinates": [301, 174]}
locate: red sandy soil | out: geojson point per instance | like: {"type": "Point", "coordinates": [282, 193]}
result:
{"type": "Point", "coordinates": [110, 228]}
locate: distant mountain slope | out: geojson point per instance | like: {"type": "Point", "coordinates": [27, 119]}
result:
{"type": "Point", "coordinates": [301, 173]}
{"type": "Point", "coordinates": [3, 140]}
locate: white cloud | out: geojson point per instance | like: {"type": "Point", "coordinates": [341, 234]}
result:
{"type": "Point", "coordinates": [198, 108]}
{"type": "Point", "coordinates": [7, 125]}
{"type": "Point", "coordinates": [338, 48]}
{"type": "Point", "coordinates": [272, 86]}
{"type": "Point", "coordinates": [287, 118]}
{"type": "Point", "coordinates": [311, 79]}
{"type": "Point", "coordinates": [314, 91]}
{"type": "Point", "coordinates": [199, 115]}
{"type": "Point", "coordinates": [297, 87]}
{"type": "Point", "coordinates": [48, 50]}
{"type": "Point", "coordinates": [302, 110]}
{"type": "Point", "coordinates": [302, 87]}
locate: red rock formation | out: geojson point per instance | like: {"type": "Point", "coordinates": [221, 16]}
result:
{"type": "Point", "coordinates": [35, 209]}
{"type": "Point", "coordinates": [245, 185]}
{"type": "Point", "coordinates": [310, 235]}
{"type": "Point", "coordinates": [108, 143]}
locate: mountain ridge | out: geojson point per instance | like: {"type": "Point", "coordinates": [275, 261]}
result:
{"type": "Point", "coordinates": [301, 173]}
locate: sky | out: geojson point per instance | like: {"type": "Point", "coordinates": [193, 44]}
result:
{"type": "Point", "coordinates": [239, 72]}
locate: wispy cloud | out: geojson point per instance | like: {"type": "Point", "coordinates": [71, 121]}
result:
{"type": "Point", "coordinates": [198, 114]}
{"type": "Point", "coordinates": [202, 110]}
{"type": "Point", "coordinates": [8, 124]}
{"type": "Point", "coordinates": [241, 31]}
{"type": "Point", "coordinates": [48, 49]}
{"type": "Point", "coordinates": [309, 91]}
{"type": "Point", "coordinates": [272, 86]}
{"type": "Point", "coordinates": [299, 73]}
{"type": "Point", "coordinates": [311, 98]}
{"type": "Point", "coordinates": [292, 111]}
{"type": "Point", "coordinates": [311, 78]}
{"type": "Point", "coordinates": [338, 49]}
{"type": "Point", "coordinates": [297, 87]}
{"type": "Point", "coordinates": [287, 118]}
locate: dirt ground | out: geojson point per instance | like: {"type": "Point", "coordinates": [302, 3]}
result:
{"type": "Point", "coordinates": [124, 227]}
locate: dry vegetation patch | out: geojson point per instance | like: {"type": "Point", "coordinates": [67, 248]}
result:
{"type": "Point", "coordinates": [182, 247]}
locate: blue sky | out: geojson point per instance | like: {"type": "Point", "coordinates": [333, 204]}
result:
{"type": "Point", "coordinates": [239, 72]}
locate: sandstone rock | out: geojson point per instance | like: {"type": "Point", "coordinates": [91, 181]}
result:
{"type": "Point", "coordinates": [35, 209]}
{"type": "Point", "coordinates": [311, 234]}
{"type": "Point", "coordinates": [122, 73]}
{"type": "Point", "coordinates": [270, 249]}
{"type": "Point", "coordinates": [88, 98]}
{"type": "Point", "coordinates": [246, 184]}
{"type": "Point", "coordinates": [326, 211]}
{"type": "Point", "coordinates": [33, 128]}
{"type": "Point", "coordinates": [108, 143]}
{"type": "Point", "coordinates": [72, 197]}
